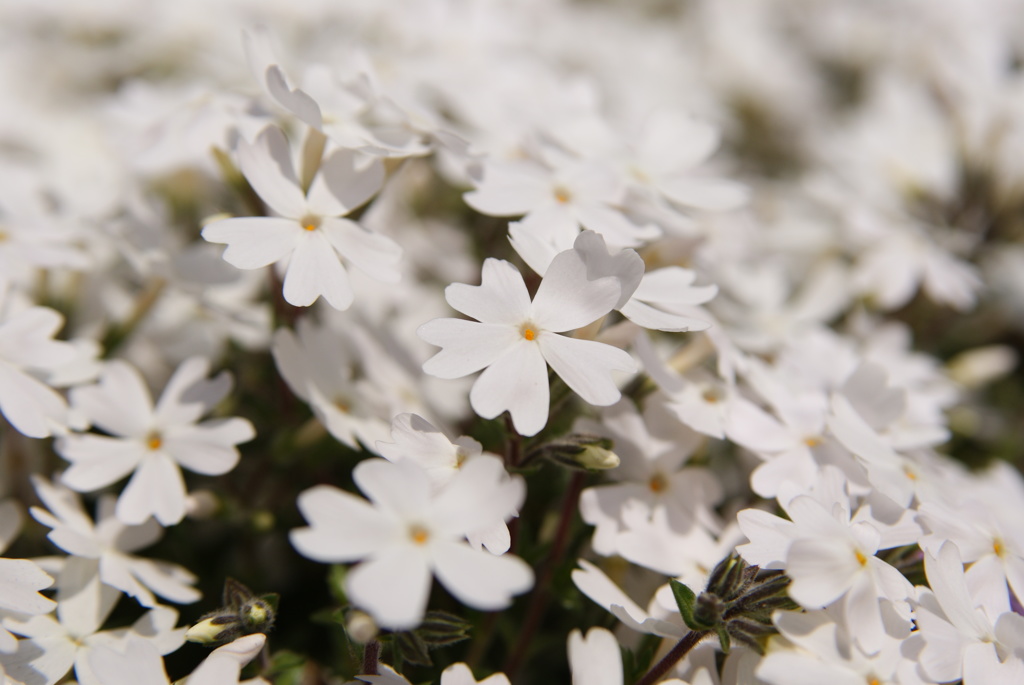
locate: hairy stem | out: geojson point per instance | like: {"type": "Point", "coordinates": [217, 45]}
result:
{"type": "Point", "coordinates": [371, 654]}
{"type": "Point", "coordinates": [681, 649]}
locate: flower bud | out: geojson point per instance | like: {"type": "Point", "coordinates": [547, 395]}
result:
{"type": "Point", "coordinates": [215, 628]}
{"type": "Point", "coordinates": [579, 451]}
{"type": "Point", "coordinates": [361, 627]}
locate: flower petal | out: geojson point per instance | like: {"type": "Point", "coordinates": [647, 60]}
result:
{"type": "Point", "coordinates": [500, 298]}
{"type": "Point", "coordinates": [566, 300]}
{"type": "Point", "coordinates": [267, 167]}
{"type": "Point", "coordinates": [586, 366]}
{"type": "Point", "coordinates": [477, 578]}
{"type": "Point", "coordinates": [314, 270]}
{"type": "Point", "coordinates": [344, 183]}
{"type": "Point", "coordinates": [156, 489]}
{"type": "Point", "coordinates": [468, 346]}
{"type": "Point", "coordinates": [256, 241]}
{"type": "Point", "coordinates": [372, 253]}
{"type": "Point", "coordinates": [342, 527]}
{"type": "Point", "coordinates": [518, 382]}
{"type": "Point", "coordinates": [393, 587]}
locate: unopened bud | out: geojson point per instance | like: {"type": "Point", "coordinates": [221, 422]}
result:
{"type": "Point", "coordinates": [215, 629]}
{"type": "Point", "coordinates": [590, 452]}
{"type": "Point", "coordinates": [361, 627]}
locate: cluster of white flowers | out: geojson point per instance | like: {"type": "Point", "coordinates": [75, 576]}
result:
{"type": "Point", "coordinates": [691, 282]}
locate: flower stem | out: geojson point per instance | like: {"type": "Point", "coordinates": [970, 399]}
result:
{"type": "Point", "coordinates": [681, 649]}
{"type": "Point", "coordinates": [371, 653]}
{"type": "Point", "coordinates": [145, 301]}
{"type": "Point", "coordinates": [540, 596]}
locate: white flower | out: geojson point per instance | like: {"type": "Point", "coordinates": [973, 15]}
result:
{"type": "Point", "coordinates": [308, 230]}
{"type": "Point", "coordinates": [407, 532]}
{"type": "Point", "coordinates": [27, 346]}
{"type": "Point", "coordinates": [653, 473]}
{"type": "Point", "coordinates": [596, 659]}
{"type": "Point", "coordinates": [20, 583]}
{"type": "Point", "coordinates": [965, 631]}
{"type": "Point", "coordinates": [53, 647]}
{"type": "Point", "coordinates": [558, 203]}
{"type": "Point", "coordinates": [515, 339]}
{"type": "Point", "coordinates": [109, 543]}
{"type": "Point", "coordinates": [138, 662]}
{"type": "Point", "coordinates": [830, 555]}
{"type": "Point", "coordinates": [456, 674]}
{"type": "Point", "coordinates": [152, 443]}
{"type": "Point", "coordinates": [415, 439]}
{"type": "Point", "coordinates": [319, 366]}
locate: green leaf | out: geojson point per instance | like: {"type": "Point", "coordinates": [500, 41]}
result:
{"type": "Point", "coordinates": [686, 600]}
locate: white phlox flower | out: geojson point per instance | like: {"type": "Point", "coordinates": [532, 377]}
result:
{"type": "Point", "coordinates": [309, 230]}
{"type": "Point", "coordinates": [595, 584]}
{"type": "Point", "coordinates": [456, 674]}
{"type": "Point", "coordinates": [595, 659]}
{"type": "Point", "coordinates": [818, 650]}
{"type": "Point", "coordinates": [664, 299]}
{"type": "Point", "coordinates": [983, 524]}
{"type": "Point", "coordinates": [319, 364]}
{"type": "Point", "coordinates": [20, 583]}
{"type": "Point", "coordinates": [653, 471]}
{"type": "Point", "coordinates": [51, 647]}
{"type": "Point", "coordinates": [408, 532]}
{"type": "Point", "coordinates": [28, 349]}
{"type": "Point", "coordinates": [698, 399]}
{"type": "Point", "coordinates": [558, 203]}
{"type": "Point", "coordinates": [514, 340]}
{"type": "Point", "coordinates": [830, 556]}
{"type": "Point", "coordinates": [152, 443]}
{"type": "Point", "coordinates": [109, 542]}
{"type": "Point", "coordinates": [967, 632]}
{"type": "Point", "coordinates": [340, 109]}
{"type": "Point", "coordinates": [415, 439]}
{"type": "Point", "coordinates": [139, 662]}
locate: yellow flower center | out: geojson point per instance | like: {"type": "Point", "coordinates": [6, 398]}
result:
{"type": "Point", "coordinates": [562, 195]}
{"type": "Point", "coordinates": [419, 534]}
{"type": "Point", "coordinates": [861, 559]}
{"type": "Point", "coordinates": [154, 442]}
{"type": "Point", "coordinates": [529, 333]}
{"type": "Point", "coordinates": [309, 227]}
{"type": "Point", "coordinates": [812, 441]}
{"type": "Point", "coordinates": [997, 547]}
{"type": "Point", "coordinates": [711, 395]}
{"type": "Point", "coordinates": [658, 483]}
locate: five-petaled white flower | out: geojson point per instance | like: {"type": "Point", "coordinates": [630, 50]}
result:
{"type": "Point", "coordinates": [515, 339]}
{"type": "Point", "coordinates": [309, 229]}
{"type": "Point", "coordinates": [152, 443]}
{"type": "Point", "coordinates": [409, 531]}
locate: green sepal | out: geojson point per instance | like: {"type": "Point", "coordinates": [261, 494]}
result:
{"type": "Point", "coordinates": [440, 629]}
{"type": "Point", "coordinates": [723, 638]}
{"type": "Point", "coordinates": [413, 648]}
{"type": "Point", "coordinates": [686, 601]}
{"type": "Point", "coordinates": [273, 599]}
{"type": "Point", "coordinates": [336, 583]}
